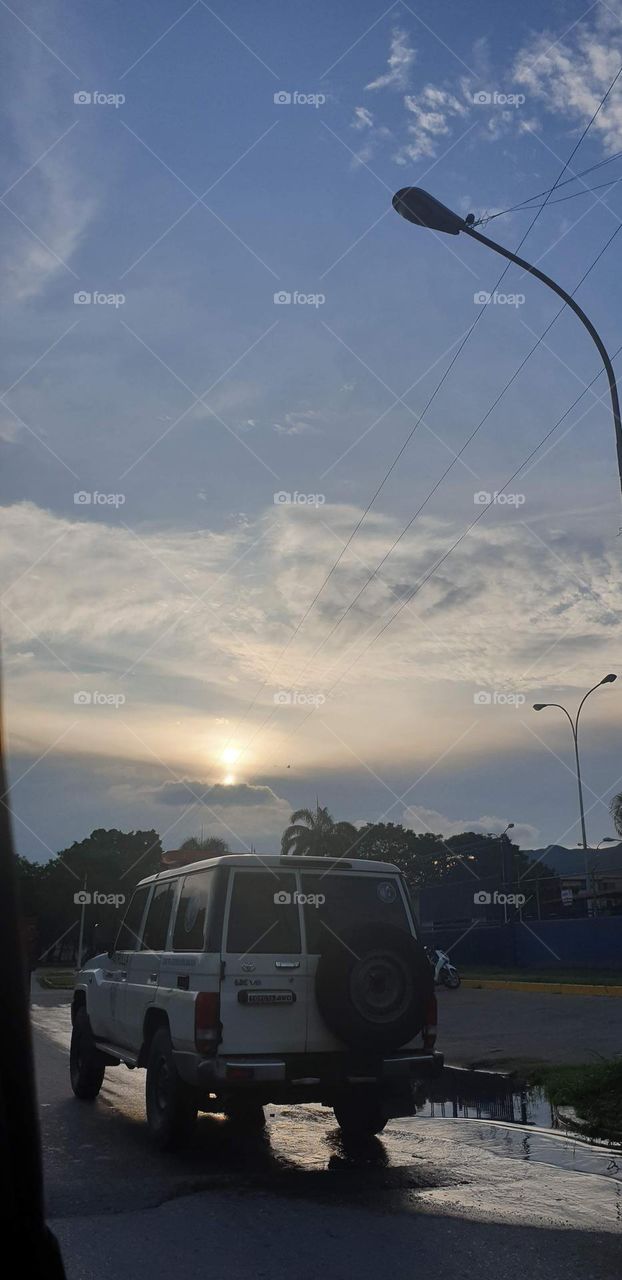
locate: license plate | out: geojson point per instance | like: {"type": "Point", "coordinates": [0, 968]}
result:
{"type": "Point", "coordinates": [266, 997]}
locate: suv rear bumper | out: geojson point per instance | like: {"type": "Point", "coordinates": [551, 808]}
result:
{"type": "Point", "coordinates": [310, 1072]}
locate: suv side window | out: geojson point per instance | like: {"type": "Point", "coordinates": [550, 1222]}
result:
{"type": "Point", "coordinates": [155, 932]}
{"type": "Point", "coordinates": [263, 914]}
{"type": "Point", "coordinates": [192, 910]}
{"type": "Point", "coordinates": [128, 935]}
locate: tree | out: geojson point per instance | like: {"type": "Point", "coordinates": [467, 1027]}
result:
{"type": "Point", "coordinates": [615, 810]}
{"type": "Point", "coordinates": [317, 835]}
{"type": "Point", "coordinates": [110, 862]}
{"type": "Point", "coordinates": [206, 844]}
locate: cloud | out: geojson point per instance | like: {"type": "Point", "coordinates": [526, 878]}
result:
{"type": "Point", "coordinates": [215, 794]}
{"type": "Point", "coordinates": [571, 75]}
{"type": "Point", "coordinates": [424, 821]}
{"type": "Point", "coordinates": [52, 206]}
{"type": "Point", "coordinates": [434, 112]}
{"type": "Point", "coordinates": [363, 118]}
{"type": "Point", "coordinates": [401, 58]}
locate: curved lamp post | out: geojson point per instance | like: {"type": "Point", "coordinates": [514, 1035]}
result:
{"type": "Point", "coordinates": [418, 206]}
{"type": "Point", "coordinates": [574, 725]}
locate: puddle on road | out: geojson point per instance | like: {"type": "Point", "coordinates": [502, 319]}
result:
{"type": "Point", "coordinates": [514, 1122]}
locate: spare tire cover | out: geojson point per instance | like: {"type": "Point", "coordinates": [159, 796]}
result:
{"type": "Point", "coordinates": [372, 986]}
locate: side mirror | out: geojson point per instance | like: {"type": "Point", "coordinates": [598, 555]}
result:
{"type": "Point", "coordinates": [103, 939]}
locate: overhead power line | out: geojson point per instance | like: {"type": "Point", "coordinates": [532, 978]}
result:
{"type": "Point", "coordinates": [403, 447]}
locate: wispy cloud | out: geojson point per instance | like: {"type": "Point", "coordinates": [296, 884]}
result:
{"type": "Point", "coordinates": [401, 58]}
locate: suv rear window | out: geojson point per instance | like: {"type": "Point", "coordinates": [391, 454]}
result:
{"type": "Point", "coordinates": [189, 931]}
{"type": "Point", "coordinates": [263, 916]}
{"type": "Point", "coordinates": [341, 902]}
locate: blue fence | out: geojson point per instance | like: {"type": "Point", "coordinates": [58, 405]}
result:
{"type": "Point", "coordinates": [590, 943]}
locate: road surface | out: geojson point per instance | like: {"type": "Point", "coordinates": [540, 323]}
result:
{"type": "Point", "coordinates": [448, 1195]}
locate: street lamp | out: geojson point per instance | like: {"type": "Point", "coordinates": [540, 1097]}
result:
{"type": "Point", "coordinates": [574, 725]}
{"type": "Point", "coordinates": [418, 206]}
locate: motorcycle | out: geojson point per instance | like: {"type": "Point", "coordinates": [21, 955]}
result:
{"type": "Point", "coordinates": [445, 972]}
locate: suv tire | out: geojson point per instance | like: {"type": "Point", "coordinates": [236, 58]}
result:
{"type": "Point", "coordinates": [359, 1113]}
{"type": "Point", "coordinates": [86, 1064]}
{"type": "Point", "coordinates": [171, 1104]}
{"type": "Point", "coordinates": [372, 985]}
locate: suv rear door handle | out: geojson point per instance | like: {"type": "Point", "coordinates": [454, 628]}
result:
{"type": "Point", "coordinates": [153, 977]}
{"type": "Point", "coordinates": [287, 964]}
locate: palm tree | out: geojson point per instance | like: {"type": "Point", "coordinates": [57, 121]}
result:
{"type": "Point", "coordinates": [206, 844]}
{"type": "Point", "coordinates": [615, 809]}
{"type": "Point", "coordinates": [317, 835]}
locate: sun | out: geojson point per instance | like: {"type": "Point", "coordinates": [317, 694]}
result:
{"type": "Point", "coordinates": [230, 755]}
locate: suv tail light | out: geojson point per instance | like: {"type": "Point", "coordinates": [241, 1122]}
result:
{"type": "Point", "coordinates": [207, 1028]}
{"type": "Point", "coordinates": [430, 1019]}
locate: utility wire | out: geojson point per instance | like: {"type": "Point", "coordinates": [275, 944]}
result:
{"type": "Point", "coordinates": [406, 442]}
{"type": "Point", "coordinates": [457, 542]}
{"type": "Point", "coordinates": [549, 190]}
{"type": "Point", "coordinates": [458, 456]}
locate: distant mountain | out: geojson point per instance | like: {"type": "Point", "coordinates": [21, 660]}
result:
{"type": "Point", "coordinates": [572, 861]}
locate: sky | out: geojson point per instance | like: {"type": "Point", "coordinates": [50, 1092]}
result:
{"type": "Point", "coordinates": [219, 336]}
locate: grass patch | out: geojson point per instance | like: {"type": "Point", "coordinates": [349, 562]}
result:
{"type": "Point", "coordinates": [595, 1092]}
{"type": "Point", "coordinates": [56, 979]}
{"type": "Point", "coordinates": [600, 977]}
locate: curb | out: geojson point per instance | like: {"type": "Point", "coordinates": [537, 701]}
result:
{"type": "Point", "coordinates": [548, 988]}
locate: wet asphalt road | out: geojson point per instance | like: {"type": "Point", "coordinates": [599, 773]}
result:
{"type": "Point", "coordinates": [455, 1196]}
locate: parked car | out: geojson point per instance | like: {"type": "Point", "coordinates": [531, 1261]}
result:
{"type": "Point", "coordinates": [239, 981]}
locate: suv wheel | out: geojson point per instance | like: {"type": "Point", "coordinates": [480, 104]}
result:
{"type": "Point", "coordinates": [359, 1113]}
{"type": "Point", "coordinates": [171, 1103]}
{"type": "Point", "coordinates": [86, 1063]}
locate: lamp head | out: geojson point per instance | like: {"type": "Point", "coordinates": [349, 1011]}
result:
{"type": "Point", "coordinates": [416, 205]}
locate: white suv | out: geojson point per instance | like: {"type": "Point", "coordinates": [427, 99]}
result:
{"type": "Point", "coordinates": [240, 980]}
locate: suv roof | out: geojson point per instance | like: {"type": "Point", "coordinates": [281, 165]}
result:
{"type": "Point", "coordinates": [275, 860]}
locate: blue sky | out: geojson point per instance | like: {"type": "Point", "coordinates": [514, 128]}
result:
{"type": "Point", "coordinates": [182, 200]}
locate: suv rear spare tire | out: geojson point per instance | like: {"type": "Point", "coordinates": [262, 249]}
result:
{"type": "Point", "coordinates": [372, 986]}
